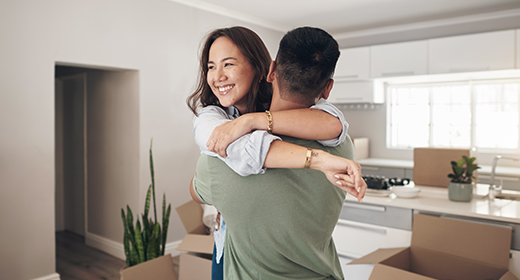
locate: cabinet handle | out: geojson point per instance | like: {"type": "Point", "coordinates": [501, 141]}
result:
{"type": "Point", "coordinates": [391, 74]}
{"type": "Point", "coordinates": [343, 77]}
{"type": "Point", "coordinates": [365, 228]}
{"type": "Point", "coordinates": [456, 70]}
{"type": "Point", "coordinates": [349, 98]}
{"type": "Point", "coordinates": [365, 207]}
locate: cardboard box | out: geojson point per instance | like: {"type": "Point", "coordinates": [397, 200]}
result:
{"type": "Point", "coordinates": [431, 166]}
{"type": "Point", "coordinates": [160, 268]}
{"type": "Point", "coordinates": [196, 264]}
{"type": "Point", "coordinates": [444, 248]}
{"type": "Point", "coordinates": [361, 148]}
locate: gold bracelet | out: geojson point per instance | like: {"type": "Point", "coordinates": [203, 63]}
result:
{"type": "Point", "coordinates": [269, 122]}
{"type": "Point", "coordinates": [308, 158]}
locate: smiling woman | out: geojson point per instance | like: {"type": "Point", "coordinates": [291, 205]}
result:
{"type": "Point", "coordinates": [229, 74]}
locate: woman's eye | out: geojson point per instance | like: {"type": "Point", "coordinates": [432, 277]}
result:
{"type": "Point", "coordinates": [228, 64]}
{"type": "Point", "coordinates": [211, 67]}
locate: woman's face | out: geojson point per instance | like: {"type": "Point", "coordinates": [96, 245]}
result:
{"type": "Point", "coordinates": [229, 74]}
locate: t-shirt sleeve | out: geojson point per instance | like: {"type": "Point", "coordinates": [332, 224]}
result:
{"type": "Point", "coordinates": [333, 110]}
{"type": "Point", "coordinates": [202, 180]}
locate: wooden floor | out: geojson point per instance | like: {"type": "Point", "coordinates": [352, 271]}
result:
{"type": "Point", "coordinates": [77, 261]}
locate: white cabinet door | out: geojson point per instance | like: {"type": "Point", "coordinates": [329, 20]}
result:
{"type": "Point", "coordinates": [401, 59]}
{"type": "Point", "coordinates": [470, 53]}
{"type": "Point", "coordinates": [518, 48]}
{"type": "Point", "coordinates": [353, 64]}
{"type": "Point", "coordinates": [354, 239]}
{"type": "Point", "coordinates": [355, 92]}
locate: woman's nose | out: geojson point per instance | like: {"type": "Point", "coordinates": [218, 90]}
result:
{"type": "Point", "coordinates": [220, 75]}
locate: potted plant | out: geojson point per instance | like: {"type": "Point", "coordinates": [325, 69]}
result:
{"type": "Point", "coordinates": [460, 188]}
{"type": "Point", "coordinates": [146, 241]}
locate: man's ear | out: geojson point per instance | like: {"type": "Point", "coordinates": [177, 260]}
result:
{"type": "Point", "coordinates": [271, 74]}
{"type": "Point", "coordinates": [326, 91]}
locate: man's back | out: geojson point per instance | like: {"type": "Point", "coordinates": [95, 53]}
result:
{"type": "Point", "coordinates": [279, 224]}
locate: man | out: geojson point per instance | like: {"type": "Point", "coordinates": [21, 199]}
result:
{"type": "Point", "coordinates": [279, 224]}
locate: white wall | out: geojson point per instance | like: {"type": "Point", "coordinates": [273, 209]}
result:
{"type": "Point", "coordinates": [159, 39]}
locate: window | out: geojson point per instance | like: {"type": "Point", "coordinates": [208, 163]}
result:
{"type": "Point", "coordinates": [482, 114]}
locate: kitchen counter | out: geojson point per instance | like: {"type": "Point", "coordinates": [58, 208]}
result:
{"type": "Point", "coordinates": [435, 199]}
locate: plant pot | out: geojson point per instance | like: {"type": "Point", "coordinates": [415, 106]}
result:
{"type": "Point", "coordinates": [160, 268]}
{"type": "Point", "coordinates": [462, 192]}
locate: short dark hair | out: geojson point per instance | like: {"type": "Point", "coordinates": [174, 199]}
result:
{"type": "Point", "coordinates": [253, 48]}
{"type": "Point", "coordinates": [305, 62]}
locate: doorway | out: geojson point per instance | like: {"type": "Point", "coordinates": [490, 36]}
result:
{"type": "Point", "coordinates": [96, 152]}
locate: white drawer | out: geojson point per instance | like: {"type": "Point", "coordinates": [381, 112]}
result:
{"type": "Point", "coordinates": [354, 239]}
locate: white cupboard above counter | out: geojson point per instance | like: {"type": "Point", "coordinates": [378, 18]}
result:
{"type": "Point", "coordinates": [470, 53]}
{"type": "Point", "coordinates": [400, 59]}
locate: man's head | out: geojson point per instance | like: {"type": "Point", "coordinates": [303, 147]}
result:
{"type": "Point", "coordinates": [305, 64]}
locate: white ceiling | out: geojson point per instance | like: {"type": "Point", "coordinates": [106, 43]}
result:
{"type": "Point", "coordinates": [344, 16]}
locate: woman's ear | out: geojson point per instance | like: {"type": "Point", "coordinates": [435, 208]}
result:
{"type": "Point", "coordinates": [271, 74]}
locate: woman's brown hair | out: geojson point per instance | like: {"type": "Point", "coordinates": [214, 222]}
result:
{"type": "Point", "coordinates": [253, 48]}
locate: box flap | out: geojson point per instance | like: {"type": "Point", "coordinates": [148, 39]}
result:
{"type": "Point", "coordinates": [431, 166]}
{"type": "Point", "coordinates": [385, 272]}
{"type": "Point", "coordinates": [160, 268]}
{"type": "Point", "coordinates": [481, 242]}
{"type": "Point", "coordinates": [509, 276]}
{"type": "Point", "coordinates": [191, 216]}
{"type": "Point", "coordinates": [193, 268]}
{"type": "Point", "coordinates": [378, 256]}
{"type": "Point", "coordinates": [197, 243]}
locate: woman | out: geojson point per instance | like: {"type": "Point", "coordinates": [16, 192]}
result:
{"type": "Point", "coordinates": [232, 81]}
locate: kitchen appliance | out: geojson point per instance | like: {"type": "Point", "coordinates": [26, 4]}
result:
{"type": "Point", "coordinates": [382, 183]}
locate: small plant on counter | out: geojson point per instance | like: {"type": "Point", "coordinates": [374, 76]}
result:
{"type": "Point", "coordinates": [148, 241]}
{"type": "Point", "coordinates": [463, 170]}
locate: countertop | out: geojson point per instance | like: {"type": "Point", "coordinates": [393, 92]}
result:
{"type": "Point", "coordinates": [397, 163]}
{"type": "Point", "coordinates": [435, 199]}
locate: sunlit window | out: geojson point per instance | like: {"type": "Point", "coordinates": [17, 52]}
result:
{"type": "Point", "coordinates": [483, 114]}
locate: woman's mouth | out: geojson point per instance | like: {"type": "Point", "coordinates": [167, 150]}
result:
{"type": "Point", "coordinates": [225, 89]}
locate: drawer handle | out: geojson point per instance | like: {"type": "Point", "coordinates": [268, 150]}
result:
{"type": "Point", "coordinates": [365, 207]}
{"type": "Point", "coordinates": [365, 228]}
{"type": "Point", "coordinates": [392, 74]}
{"type": "Point", "coordinates": [457, 70]}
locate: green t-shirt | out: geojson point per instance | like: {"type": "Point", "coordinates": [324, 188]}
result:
{"type": "Point", "coordinates": [278, 224]}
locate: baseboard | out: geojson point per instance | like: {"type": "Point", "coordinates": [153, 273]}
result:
{"type": "Point", "coordinates": [117, 249]}
{"type": "Point", "coordinates": [106, 245]}
{"type": "Point", "coordinates": [54, 276]}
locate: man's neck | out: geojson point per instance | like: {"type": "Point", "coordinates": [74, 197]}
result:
{"type": "Point", "coordinates": [279, 104]}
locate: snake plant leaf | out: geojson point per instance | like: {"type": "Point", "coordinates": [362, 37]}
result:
{"type": "Point", "coordinates": [153, 180]}
{"type": "Point", "coordinates": [139, 242]}
{"type": "Point", "coordinates": [147, 202]}
{"type": "Point", "coordinates": [166, 223]}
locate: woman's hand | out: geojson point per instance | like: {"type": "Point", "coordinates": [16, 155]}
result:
{"type": "Point", "coordinates": [226, 133]}
{"type": "Point", "coordinates": [342, 172]}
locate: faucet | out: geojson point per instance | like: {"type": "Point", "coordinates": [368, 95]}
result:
{"type": "Point", "coordinates": [495, 190]}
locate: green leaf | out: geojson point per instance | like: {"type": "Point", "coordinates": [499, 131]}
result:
{"type": "Point", "coordinates": [153, 181]}
{"type": "Point", "coordinates": [139, 242]}
{"type": "Point", "coordinates": [166, 223]}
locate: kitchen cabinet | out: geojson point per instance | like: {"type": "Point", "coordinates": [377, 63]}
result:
{"type": "Point", "coordinates": [507, 182]}
{"type": "Point", "coordinates": [364, 228]}
{"type": "Point", "coordinates": [353, 64]}
{"type": "Point", "coordinates": [352, 82]}
{"type": "Point", "coordinates": [400, 59]}
{"type": "Point", "coordinates": [470, 53]}
{"type": "Point", "coordinates": [518, 49]}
